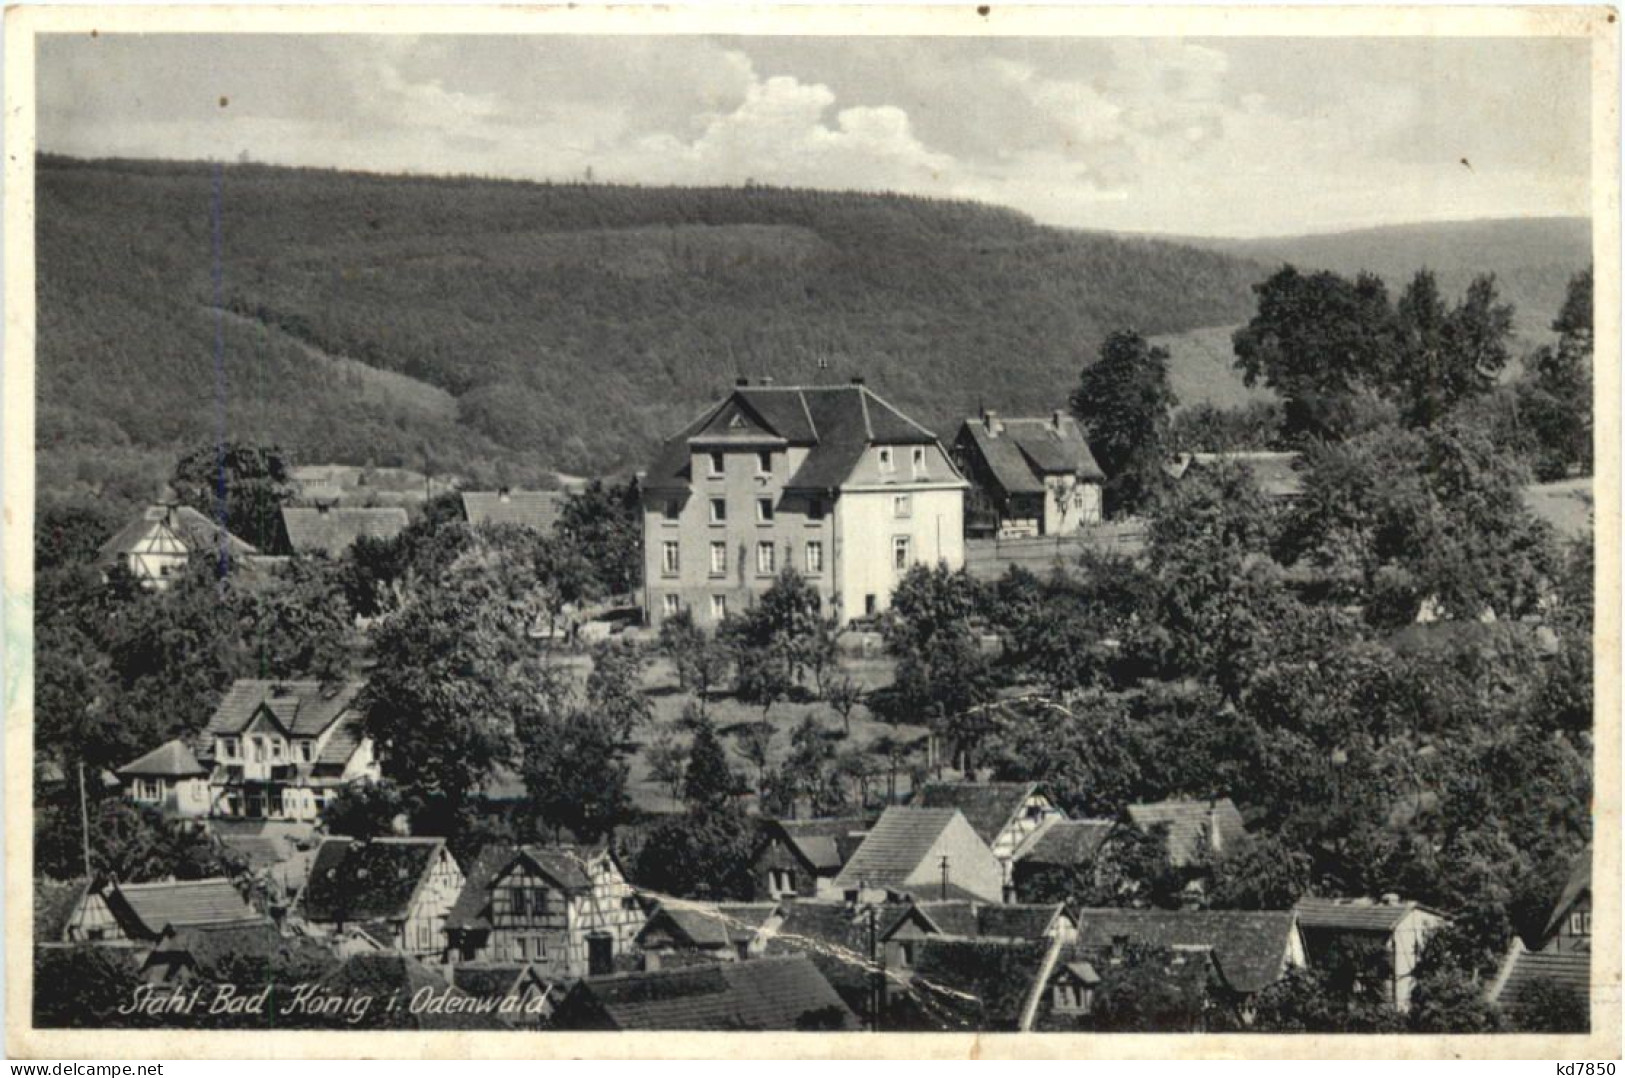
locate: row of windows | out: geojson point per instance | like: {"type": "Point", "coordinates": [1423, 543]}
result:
{"type": "Point", "coordinates": [671, 557]}
{"type": "Point", "coordinates": [717, 461]}
{"type": "Point", "coordinates": [672, 509]}
{"type": "Point", "coordinates": [264, 749]}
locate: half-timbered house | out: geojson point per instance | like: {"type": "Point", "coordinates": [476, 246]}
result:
{"type": "Point", "coordinates": [396, 890]}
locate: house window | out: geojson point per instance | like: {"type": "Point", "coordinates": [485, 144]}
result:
{"type": "Point", "coordinates": [1580, 923]}
{"type": "Point", "coordinates": [229, 748]}
{"type": "Point", "coordinates": [764, 510]}
{"type": "Point", "coordinates": [276, 749]}
{"type": "Point", "coordinates": [1073, 999]}
{"type": "Point", "coordinates": [815, 556]}
{"type": "Point", "coordinates": [519, 944]}
{"type": "Point", "coordinates": [674, 606]}
{"type": "Point", "coordinates": [307, 751]}
{"type": "Point", "coordinates": [719, 559]}
{"type": "Point", "coordinates": [764, 558]}
{"type": "Point", "coordinates": [899, 552]}
{"type": "Point", "coordinates": [719, 607]}
{"type": "Point", "coordinates": [781, 881]}
{"type": "Point", "coordinates": [716, 463]}
{"type": "Point", "coordinates": [259, 750]}
{"type": "Point", "coordinates": [903, 506]}
{"type": "Point", "coordinates": [919, 458]}
{"type": "Point", "coordinates": [671, 509]}
{"type": "Point", "coordinates": [815, 510]}
{"type": "Point", "coordinates": [885, 458]}
{"type": "Point", "coordinates": [668, 557]}
{"type": "Point", "coordinates": [719, 510]}
{"type": "Point", "coordinates": [764, 463]}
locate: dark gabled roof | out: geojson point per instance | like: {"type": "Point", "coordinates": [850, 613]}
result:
{"type": "Point", "coordinates": [954, 917]}
{"type": "Point", "coordinates": [384, 977]}
{"type": "Point", "coordinates": [259, 851]}
{"type": "Point", "coordinates": [196, 532]}
{"type": "Point", "coordinates": [895, 846]}
{"type": "Point", "coordinates": [211, 950]}
{"type": "Point", "coordinates": [302, 708]}
{"type": "Point", "coordinates": [1191, 824]}
{"type": "Point", "coordinates": [1352, 914]}
{"type": "Point", "coordinates": [1025, 450]}
{"type": "Point", "coordinates": [374, 880]}
{"type": "Point", "coordinates": [538, 510]}
{"type": "Point", "coordinates": [1065, 842]}
{"type": "Point", "coordinates": [1249, 947]}
{"type": "Point", "coordinates": [988, 806]}
{"type": "Point", "coordinates": [489, 979]}
{"type": "Point", "coordinates": [172, 759]}
{"type": "Point", "coordinates": [341, 744]}
{"type": "Point", "coordinates": [824, 844]}
{"type": "Point", "coordinates": [834, 936]}
{"type": "Point", "coordinates": [149, 908]}
{"type": "Point", "coordinates": [566, 866]}
{"type": "Point", "coordinates": [836, 423]}
{"type": "Point", "coordinates": [332, 530]}
{"type": "Point", "coordinates": [1016, 921]}
{"type": "Point", "coordinates": [765, 994]}
{"type": "Point", "coordinates": [704, 924]}
{"type": "Point", "coordinates": [1579, 883]}
{"type": "Point", "coordinates": [1525, 969]}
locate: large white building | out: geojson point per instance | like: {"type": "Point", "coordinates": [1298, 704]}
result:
{"type": "Point", "coordinates": [829, 480]}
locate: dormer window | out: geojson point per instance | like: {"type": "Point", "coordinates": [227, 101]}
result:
{"type": "Point", "coordinates": [885, 458]}
{"type": "Point", "coordinates": [716, 463]}
{"type": "Point", "coordinates": [919, 459]}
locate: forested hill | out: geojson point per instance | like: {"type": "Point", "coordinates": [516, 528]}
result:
{"type": "Point", "coordinates": [1532, 259]}
{"type": "Point", "coordinates": [459, 322]}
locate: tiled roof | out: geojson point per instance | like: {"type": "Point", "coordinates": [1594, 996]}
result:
{"type": "Point", "coordinates": [836, 423]}
{"type": "Point", "coordinates": [260, 851]}
{"type": "Point", "coordinates": [196, 532]}
{"type": "Point", "coordinates": [835, 937]}
{"type": "Point", "coordinates": [1249, 947]}
{"type": "Point", "coordinates": [895, 846]}
{"type": "Point", "coordinates": [954, 917]}
{"type": "Point", "coordinates": [826, 843]}
{"type": "Point", "coordinates": [1579, 883]}
{"type": "Point", "coordinates": [1352, 914]}
{"type": "Point", "coordinates": [705, 924]}
{"type": "Point", "coordinates": [386, 976]}
{"type": "Point", "coordinates": [1016, 921]}
{"type": "Point", "coordinates": [332, 530]}
{"type": "Point", "coordinates": [538, 510]}
{"type": "Point", "coordinates": [341, 745]}
{"type": "Point", "coordinates": [1065, 842]}
{"type": "Point", "coordinates": [1191, 824]}
{"type": "Point", "coordinates": [172, 759]}
{"type": "Point", "coordinates": [988, 806]}
{"type": "Point", "coordinates": [353, 881]}
{"type": "Point", "coordinates": [303, 708]}
{"type": "Point", "coordinates": [487, 979]}
{"type": "Point", "coordinates": [181, 903]}
{"type": "Point", "coordinates": [786, 993]}
{"type": "Point", "coordinates": [1026, 450]}
{"type": "Point", "coordinates": [1524, 969]}
{"type": "Point", "coordinates": [216, 952]}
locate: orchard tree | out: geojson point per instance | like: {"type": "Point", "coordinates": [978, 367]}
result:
{"type": "Point", "coordinates": [605, 526]}
{"type": "Point", "coordinates": [1124, 400]}
{"type": "Point", "coordinates": [1447, 355]}
{"type": "Point", "coordinates": [1554, 397]}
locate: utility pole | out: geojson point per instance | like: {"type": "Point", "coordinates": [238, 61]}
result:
{"type": "Point", "coordinates": [945, 877]}
{"type": "Point", "coordinates": [84, 822]}
{"type": "Point", "coordinates": [877, 978]}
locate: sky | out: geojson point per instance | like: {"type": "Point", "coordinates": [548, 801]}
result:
{"type": "Point", "coordinates": [1211, 137]}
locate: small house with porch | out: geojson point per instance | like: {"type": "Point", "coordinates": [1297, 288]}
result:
{"type": "Point", "coordinates": [1032, 476]}
{"type": "Point", "coordinates": [568, 911]}
{"type": "Point", "coordinates": [396, 890]}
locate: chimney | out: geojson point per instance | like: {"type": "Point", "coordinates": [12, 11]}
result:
{"type": "Point", "coordinates": [741, 381]}
{"type": "Point", "coordinates": [765, 380]}
{"type": "Point", "coordinates": [504, 495]}
{"type": "Point", "coordinates": [857, 379]}
{"type": "Point", "coordinates": [1055, 420]}
{"type": "Point", "coordinates": [990, 422]}
{"type": "Point", "coordinates": [1390, 899]}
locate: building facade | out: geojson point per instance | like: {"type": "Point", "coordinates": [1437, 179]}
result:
{"type": "Point", "coordinates": [1032, 476]}
{"type": "Point", "coordinates": [830, 481]}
